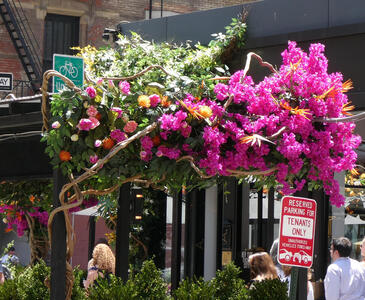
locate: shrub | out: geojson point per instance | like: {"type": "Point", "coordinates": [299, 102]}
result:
{"type": "Point", "coordinates": [228, 285]}
{"type": "Point", "coordinates": [30, 283]}
{"type": "Point", "coordinates": [269, 290]}
{"type": "Point", "coordinates": [111, 289]}
{"type": "Point", "coordinates": [148, 283]}
{"type": "Point", "coordinates": [8, 290]}
{"type": "Point", "coordinates": [78, 291]}
{"type": "Point", "coordinates": [194, 289]}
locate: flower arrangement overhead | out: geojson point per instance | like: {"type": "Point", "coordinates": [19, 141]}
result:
{"type": "Point", "coordinates": [174, 122]}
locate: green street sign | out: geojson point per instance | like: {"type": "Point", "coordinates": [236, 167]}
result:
{"type": "Point", "coordinates": [70, 66]}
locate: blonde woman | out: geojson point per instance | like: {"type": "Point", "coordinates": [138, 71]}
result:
{"type": "Point", "coordinates": [102, 264]}
{"type": "Point", "coordinates": [262, 267]}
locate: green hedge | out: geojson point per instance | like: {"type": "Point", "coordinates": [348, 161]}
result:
{"type": "Point", "coordinates": [145, 284]}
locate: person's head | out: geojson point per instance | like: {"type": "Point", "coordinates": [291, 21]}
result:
{"type": "Point", "coordinates": [11, 250]}
{"type": "Point", "coordinates": [103, 257]}
{"type": "Point", "coordinates": [274, 251]}
{"type": "Point", "coordinates": [262, 266]}
{"type": "Point", "coordinates": [340, 247]}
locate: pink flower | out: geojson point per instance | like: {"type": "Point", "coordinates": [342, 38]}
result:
{"type": "Point", "coordinates": [88, 124]}
{"type": "Point", "coordinates": [130, 127]}
{"type": "Point", "coordinates": [117, 110]}
{"type": "Point", "coordinates": [98, 143]}
{"type": "Point", "coordinates": [154, 100]}
{"type": "Point", "coordinates": [99, 81]}
{"type": "Point", "coordinates": [124, 87]}
{"type": "Point", "coordinates": [92, 111]}
{"type": "Point", "coordinates": [56, 125]}
{"type": "Point", "coordinates": [111, 84]}
{"type": "Point", "coordinates": [91, 92]}
{"type": "Point", "coordinates": [118, 135]}
{"type": "Point", "coordinates": [93, 159]}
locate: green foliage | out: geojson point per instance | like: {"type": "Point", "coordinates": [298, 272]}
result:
{"type": "Point", "coordinates": [8, 291]}
{"type": "Point", "coordinates": [228, 285]}
{"type": "Point", "coordinates": [112, 289]}
{"type": "Point", "coordinates": [78, 291]}
{"type": "Point", "coordinates": [269, 290]}
{"type": "Point", "coordinates": [30, 283]}
{"type": "Point", "coordinates": [194, 289]}
{"type": "Point", "coordinates": [148, 283]}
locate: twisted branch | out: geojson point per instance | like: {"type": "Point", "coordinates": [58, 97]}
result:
{"type": "Point", "coordinates": [261, 61]}
{"type": "Point", "coordinates": [191, 160]}
{"type": "Point", "coordinates": [46, 76]}
{"type": "Point", "coordinates": [246, 173]}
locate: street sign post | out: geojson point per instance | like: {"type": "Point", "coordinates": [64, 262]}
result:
{"type": "Point", "coordinates": [297, 229]}
{"type": "Point", "coordinates": [70, 66]}
{"type": "Point", "coordinates": [6, 81]}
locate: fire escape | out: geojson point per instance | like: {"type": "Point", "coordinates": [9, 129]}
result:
{"type": "Point", "coordinates": [23, 39]}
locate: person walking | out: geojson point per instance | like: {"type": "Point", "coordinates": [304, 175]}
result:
{"type": "Point", "coordinates": [345, 278]}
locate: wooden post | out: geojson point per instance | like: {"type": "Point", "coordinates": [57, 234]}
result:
{"type": "Point", "coordinates": [122, 232]}
{"type": "Point", "coordinates": [58, 250]}
{"type": "Point", "coordinates": [176, 241]}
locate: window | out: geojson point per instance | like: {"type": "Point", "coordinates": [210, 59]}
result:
{"type": "Point", "coordinates": [60, 34]}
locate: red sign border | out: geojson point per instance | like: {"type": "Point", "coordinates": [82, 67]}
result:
{"type": "Point", "coordinates": [314, 229]}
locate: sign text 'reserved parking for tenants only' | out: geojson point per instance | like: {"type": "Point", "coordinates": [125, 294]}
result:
{"type": "Point", "coordinates": [296, 236]}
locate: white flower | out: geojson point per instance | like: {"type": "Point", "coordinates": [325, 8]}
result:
{"type": "Point", "coordinates": [74, 137]}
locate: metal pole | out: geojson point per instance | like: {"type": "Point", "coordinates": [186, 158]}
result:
{"type": "Point", "coordinates": [161, 8]}
{"type": "Point", "coordinates": [176, 241]}
{"type": "Point", "coordinates": [58, 250]}
{"type": "Point", "coordinates": [150, 9]}
{"type": "Point", "coordinates": [122, 232]}
{"type": "Point", "coordinates": [91, 236]}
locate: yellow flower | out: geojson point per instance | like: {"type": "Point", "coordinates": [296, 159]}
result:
{"type": "Point", "coordinates": [205, 111]}
{"type": "Point", "coordinates": [144, 101]}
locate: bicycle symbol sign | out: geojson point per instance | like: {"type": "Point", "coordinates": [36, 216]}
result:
{"type": "Point", "coordinates": [70, 66]}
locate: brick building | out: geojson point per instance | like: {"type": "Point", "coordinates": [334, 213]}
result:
{"type": "Point", "coordinates": [59, 24]}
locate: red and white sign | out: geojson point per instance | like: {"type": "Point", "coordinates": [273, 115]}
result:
{"type": "Point", "coordinates": [297, 228]}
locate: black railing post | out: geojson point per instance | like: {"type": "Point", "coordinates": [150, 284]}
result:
{"type": "Point", "coordinates": [176, 240]}
{"type": "Point", "coordinates": [58, 247]}
{"type": "Point", "coordinates": [92, 224]}
{"type": "Point", "coordinates": [122, 232]}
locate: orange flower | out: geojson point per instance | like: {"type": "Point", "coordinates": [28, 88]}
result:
{"type": "Point", "coordinates": [293, 67]}
{"type": "Point", "coordinates": [165, 101]}
{"type": "Point", "coordinates": [108, 143]}
{"type": "Point", "coordinates": [31, 198]}
{"type": "Point", "coordinates": [144, 101]}
{"type": "Point", "coordinates": [346, 86]}
{"type": "Point", "coordinates": [346, 108]}
{"type": "Point", "coordinates": [156, 140]}
{"type": "Point", "coordinates": [205, 111]}
{"type": "Point", "coordinates": [8, 229]}
{"type": "Point", "coordinates": [354, 172]}
{"type": "Point", "coordinates": [65, 155]}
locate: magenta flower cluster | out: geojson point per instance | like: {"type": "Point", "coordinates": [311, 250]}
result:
{"type": "Point", "coordinates": [277, 126]}
{"type": "Point", "coordinates": [15, 217]}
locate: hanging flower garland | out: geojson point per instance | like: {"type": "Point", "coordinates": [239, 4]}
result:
{"type": "Point", "coordinates": [276, 130]}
